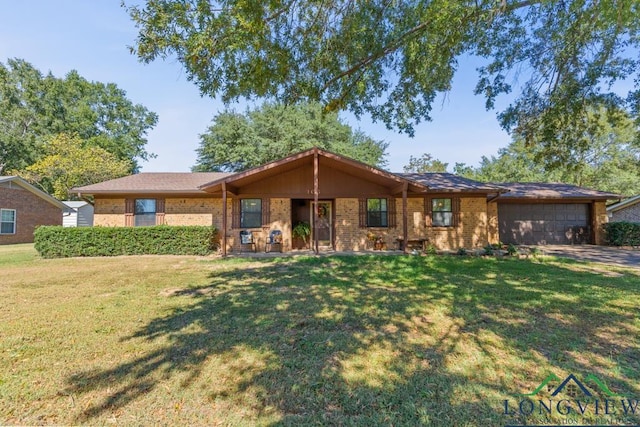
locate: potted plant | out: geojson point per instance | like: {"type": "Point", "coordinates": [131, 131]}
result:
{"type": "Point", "coordinates": [302, 231]}
{"type": "Point", "coordinates": [378, 241]}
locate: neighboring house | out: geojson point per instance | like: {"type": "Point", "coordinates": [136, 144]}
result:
{"type": "Point", "coordinates": [80, 214]}
{"type": "Point", "coordinates": [345, 201]}
{"type": "Point", "coordinates": [23, 207]}
{"type": "Point", "coordinates": [625, 210]}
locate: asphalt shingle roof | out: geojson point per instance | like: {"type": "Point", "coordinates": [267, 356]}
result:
{"type": "Point", "coordinates": [546, 190]}
{"type": "Point", "coordinates": [154, 182]}
{"type": "Point", "coordinates": [441, 181]}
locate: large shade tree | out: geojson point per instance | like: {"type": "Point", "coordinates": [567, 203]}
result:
{"type": "Point", "coordinates": [236, 141]}
{"type": "Point", "coordinates": [68, 162]}
{"type": "Point", "coordinates": [34, 107]}
{"type": "Point", "coordinates": [391, 59]}
{"type": "Point", "coordinates": [607, 158]}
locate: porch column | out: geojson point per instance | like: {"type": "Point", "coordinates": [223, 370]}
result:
{"type": "Point", "coordinates": [224, 219]}
{"type": "Point", "coordinates": [405, 234]}
{"type": "Point", "coordinates": [315, 200]}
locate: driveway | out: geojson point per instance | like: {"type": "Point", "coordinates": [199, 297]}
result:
{"type": "Point", "coordinates": [625, 257]}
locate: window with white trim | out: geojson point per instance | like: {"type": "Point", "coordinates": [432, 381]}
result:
{"type": "Point", "coordinates": [7, 221]}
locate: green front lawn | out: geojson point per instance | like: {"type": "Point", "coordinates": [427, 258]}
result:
{"type": "Point", "coordinates": [358, 340]}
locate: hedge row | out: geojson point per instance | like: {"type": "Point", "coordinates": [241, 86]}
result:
{"type": "Point", "coordinates": [61, 242]}
{"type": "Point", "coordinates": [623, 233]}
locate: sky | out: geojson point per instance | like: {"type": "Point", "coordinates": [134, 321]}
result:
{"type": "Point", "coordinates": [92, 37]}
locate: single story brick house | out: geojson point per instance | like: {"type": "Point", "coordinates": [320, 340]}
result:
{"type": "Point", "coordinates": [345, 201]}
{"type": "Point", "coordinates": [625, 210]}
{"type": "Point", "coordinates": [23, 207]}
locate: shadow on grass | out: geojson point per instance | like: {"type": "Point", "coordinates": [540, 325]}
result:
{"type": "Point", "coordinates": [392, 340]}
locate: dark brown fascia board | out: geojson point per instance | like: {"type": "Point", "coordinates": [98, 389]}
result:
{"type": "Point", "coordinates": [532, 199]}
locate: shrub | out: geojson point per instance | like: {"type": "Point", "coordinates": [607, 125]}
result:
{"type": "Point", "coordinates": [623, 233]}
{"type": "Point", "coordinates": [431, 250]}
{"type": "Point", "coordinates": [461, 251]}
{"type": "Point", "coordinates": [512, 250]}
{"type": "Point", "coordinates": [61, 242]}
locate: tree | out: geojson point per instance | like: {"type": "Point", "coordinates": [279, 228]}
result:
{"type": "Point", "coordinates": [426, 163]}
{"type": "Point", "coordinates": [391, 59]}
{"type": "Point", "coordinates": [68, 163]}
{"type": "Point", "coordinates": [34, 107]}
{"type": "Point", "coordinates": [606, 158]}
{"type": "Point", "coordinates": [235, 142]}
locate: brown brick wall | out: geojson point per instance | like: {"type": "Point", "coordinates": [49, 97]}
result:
{"type": "Point", "coordinates": [280, 219]}
{"type": "Point", "coordinates": [190, 211]}
{"type": "Point", "coordinates": [493, 231]}
{"type": "Point", "coordinates": [630, 214]}
{"type": "Point", "coordinates": [600, 218]}
{"type": "Point", "coordinates": [108, 213]}
{"type": "Point", "coordinates": [31, 211]}
{"type": "Point", "coordinates": [350, 237]}
{"type": "Point", "coordinates": [470, 233]}
{"type": "Point", "coordinates": [178, 211]}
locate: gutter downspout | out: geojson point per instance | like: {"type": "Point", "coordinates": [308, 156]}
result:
{"type": "Point", "coordinates": [500, 193]}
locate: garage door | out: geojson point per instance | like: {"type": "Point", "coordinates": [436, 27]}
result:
{"type": "Point", "coordinates": [547, 223]}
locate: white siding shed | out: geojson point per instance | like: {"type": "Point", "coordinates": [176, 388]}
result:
{"type": "Point", "coordinates": [80, 214]}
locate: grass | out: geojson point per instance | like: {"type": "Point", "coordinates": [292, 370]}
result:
{"type": "Point", "coordinates": [361, 340]}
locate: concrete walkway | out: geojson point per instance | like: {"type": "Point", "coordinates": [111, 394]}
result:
{"type": "Point", "coordinates": [624, 257]}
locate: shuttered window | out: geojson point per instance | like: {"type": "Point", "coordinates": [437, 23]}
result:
{"type": "Point", "coordinates": [442, 211]}
{"type": "Point", "coordinates": [391, 204]}
{"type": "Point", "coordinates": [377, 212]}
{"type": "Point", "coordinates": [160, 211]}
{"type": "Point", "coordinates": [144, 212]}
{"type": "Point", "coordinates": [362, 213]}
{"type": "Point", "coordinates": [129, 209]}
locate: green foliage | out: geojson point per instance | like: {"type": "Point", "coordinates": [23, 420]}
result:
{"type": "Point", "coordinates": [393, 61]}
{"type": "Point", "coordinates": [34, 106]}
{"type": "Point", "coordinates": [488, 249]}
{"type": "Point", "coordinates": [67, 163]}
{"type": "Point", "coordinates": [461, 251]}
{"type": "Point", "coordinates": [61, 242]}
{"type": "Point", "coordinates": [302, 230]}
{"type": "Point", "coordinates": [236, 142]}
{"type": "Point", "coordinates": [426, 163]}
{"type": "Point", "coordinates": [623, 233]}
{"type": "Point", "coordinates": [431, 249]}
{"type": "Point", "coordinates": [606, 158]}
{"type": "Point", "coordinates": [511, 249]}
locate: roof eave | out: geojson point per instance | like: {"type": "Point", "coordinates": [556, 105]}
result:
{"type": "Point", "coordinates": [79, 191]}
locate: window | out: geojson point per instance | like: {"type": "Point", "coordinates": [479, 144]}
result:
{"type": "Point", "coordinates": [377, 213]}
{"type": "Point", "coordinates": [7, 221]}
{"type": "Point", "coordinates": [250, 213]}
{"type": "Point", "coordinates": [442, 213]}
{"type": "Point", "coordinates": [145, 212]}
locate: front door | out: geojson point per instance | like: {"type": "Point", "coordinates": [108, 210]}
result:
{"type": "Point", "coordinates": [325, 226]}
